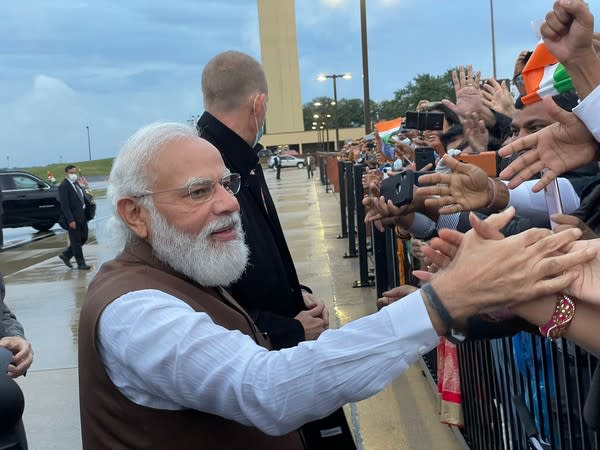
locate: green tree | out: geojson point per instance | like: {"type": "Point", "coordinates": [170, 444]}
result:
{"type": "Point", "coordinates": [422, 87]}
{"type": "Point", "coordinates": [350, 113]}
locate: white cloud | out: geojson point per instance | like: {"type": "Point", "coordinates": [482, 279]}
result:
{"type": "Point", "coordinates": [334, 3]}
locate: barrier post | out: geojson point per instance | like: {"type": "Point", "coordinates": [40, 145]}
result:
{"type": "Point", "coordinates": [343, 216]}
{"type": "Point", "coordinates": [351, 211]}
{"type": "Point", "coordinates": [363, 263]}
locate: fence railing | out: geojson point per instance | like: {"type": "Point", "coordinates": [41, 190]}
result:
{"type": "Point", "coordinates": [519, 392]}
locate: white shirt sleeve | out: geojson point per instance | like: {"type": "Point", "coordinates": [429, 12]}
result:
{"type": "Point", "coordinates": [588, 112]}
{"type": "Point", "coordinates": [162, 354]}
{"type": "Point", "coordinates": [532, 205]}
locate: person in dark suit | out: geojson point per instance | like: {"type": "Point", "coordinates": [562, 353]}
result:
{"type": "Point", "coordinates": [278, 166]}
{"type": "Point", "coordinates": [17, 349]}
{"type": "Point", "coordinates": [72, 210]}
{"type": "Point", "coordinates": [235, 90]}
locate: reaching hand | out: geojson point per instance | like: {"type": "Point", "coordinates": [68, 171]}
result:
{"type": "Point", "coordinates": [441, 250]}
{"type": "Point", "coordinates": [395, 294]}
{"type": "Point", "coordinates": [564, 222]}
{"type": "Point", "coordinates": [497, 96]}
{"type": "Point", "coordinates": [465, 189]}
{"type": "Point", "coordinates": [587, 285]}
{"type": "Point", "coordinates": [559, 147]}
{"type": "Point", "coordinates": [568, 31]}
{"type": "Point", "coordinates": [516, 269]}
{"type": "Point", "coordinates": [22, 354]}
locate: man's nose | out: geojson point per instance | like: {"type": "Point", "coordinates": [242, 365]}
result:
{"type": "Point", "coordinates": [224, 201]}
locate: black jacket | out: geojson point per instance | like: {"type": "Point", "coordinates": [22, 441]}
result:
{"type": "Point", "coordinates": [9, 325]}
{"type": "Point", "coordinates": [71, 206]}
{"type": "Point", "coordinates": [269, 289]}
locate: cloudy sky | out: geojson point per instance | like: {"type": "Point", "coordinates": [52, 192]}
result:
{"type": "Point", "coordinates": [117, 65]}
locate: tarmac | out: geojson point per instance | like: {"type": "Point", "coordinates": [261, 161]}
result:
{"type": "Point", "coordinates": [46, 297]}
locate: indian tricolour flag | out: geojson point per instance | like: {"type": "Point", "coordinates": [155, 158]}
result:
{"type": "Point", "coordinates": [543, 75]}
{"type": "Point", "coordinates": [386, 129]}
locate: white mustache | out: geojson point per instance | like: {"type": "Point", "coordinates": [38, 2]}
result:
{"type": "Point", "coordinates": [231, 221]}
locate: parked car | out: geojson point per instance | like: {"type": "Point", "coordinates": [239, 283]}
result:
{"type": "Point", "coordinates": [288, 161]}
{"type": "Point", "coordinates": [28, 201]}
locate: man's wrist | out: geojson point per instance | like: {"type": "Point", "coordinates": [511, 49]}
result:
{"type": "Point", "coordinates": [585, 72]}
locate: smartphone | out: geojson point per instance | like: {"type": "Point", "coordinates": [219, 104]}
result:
{"type": "Point", "coordinates": [552, 195]}
{"type": "Point", "coordinates": [399, 188]}
{"type": "Point", "coordinates": [424, 156]}
{"type": "Point", "coordinates": [484, 160]}
{"type": "Point", "coordinates": [424, 120]}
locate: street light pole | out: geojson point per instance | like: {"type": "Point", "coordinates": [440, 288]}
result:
{"type": "Point", "coordinates": [89, 145]}
{"type": "Point", "coordinates": [335, 115]}
{"type": "Point", "coordinates": [334, 77]}
{"type": "Point", "coordinates": [365, 64]}
{"type": "Point", "coordinates": [493, 37]}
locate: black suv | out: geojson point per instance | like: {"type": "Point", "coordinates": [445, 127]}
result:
{"type": "Point", "coordinates": [28, 201]}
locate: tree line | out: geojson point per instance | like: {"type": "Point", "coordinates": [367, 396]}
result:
{"type": "Point", "coordinates": [350, 111]}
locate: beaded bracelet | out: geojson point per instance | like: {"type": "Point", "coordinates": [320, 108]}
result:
{"type": "Point", "coordinates": [561, 319]}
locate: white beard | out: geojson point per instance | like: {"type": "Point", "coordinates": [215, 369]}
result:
{"type": "Point", "coordinates": [208, 262]}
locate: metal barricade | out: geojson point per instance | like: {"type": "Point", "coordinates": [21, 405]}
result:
{"type": "Point", "coordinates": [349, 179]}
{"type": "Point", "coordinates": [343, 194]}
{"type": "Point", "coordinates": [363, 263]}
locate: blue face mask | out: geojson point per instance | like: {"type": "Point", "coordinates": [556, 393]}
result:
{"type": "Point", "coordinates": [259, 131]}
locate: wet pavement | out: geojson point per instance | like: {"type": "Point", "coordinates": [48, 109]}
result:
{"type": "Point", "coordinates": [46, 296]}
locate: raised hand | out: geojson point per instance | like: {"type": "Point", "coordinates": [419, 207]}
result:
{"type": "Point", "coordinates": [497, 96]}
{"type": "Point", "coordinates": [476, 134]}
{"type": "Point", "coordinates": [468, 96]}
{"type": "Point", "coordinates": [568, 31]}
{"type": "Point", "coordinates": [560, 147]}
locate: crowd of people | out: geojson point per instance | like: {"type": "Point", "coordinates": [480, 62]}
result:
{"type": "Point", "coordinates": [542, 147]}
{"type": "Point", "coordinates": [199, 334]}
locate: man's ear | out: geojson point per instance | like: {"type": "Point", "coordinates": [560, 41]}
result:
{"type": "Point", "coordinates": [134, 216]}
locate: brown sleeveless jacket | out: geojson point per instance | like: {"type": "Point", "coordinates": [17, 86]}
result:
{"type": "Point", "coordinates": [108, 419]}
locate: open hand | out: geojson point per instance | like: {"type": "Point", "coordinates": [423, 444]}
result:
{"type": "Point", "coordinates": [560, 147]}
{"type": "Point", "coordinates": [465, 189]}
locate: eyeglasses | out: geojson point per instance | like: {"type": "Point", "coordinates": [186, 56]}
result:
{"type": "Point", "coordinates": [202, 190]}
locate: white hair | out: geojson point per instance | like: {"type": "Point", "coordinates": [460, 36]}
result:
{"type": "Point", "coordinates": [129, 175]}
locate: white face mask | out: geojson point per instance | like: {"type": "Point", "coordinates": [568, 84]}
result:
{"type": "Point", "coordinates": [73, 177]}
{"type": "Point", "coordinates": [259, 131]}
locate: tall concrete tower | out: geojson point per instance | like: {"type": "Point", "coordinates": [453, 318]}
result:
{"type": "Point", "coordinates": [279, 52]}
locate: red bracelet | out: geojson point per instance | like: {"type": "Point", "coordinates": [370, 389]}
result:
{"type": "Point", "coordinates": [561, 319]}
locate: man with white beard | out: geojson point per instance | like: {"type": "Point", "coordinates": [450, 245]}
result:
{"type": "Point", "coordinates": [167, 359]}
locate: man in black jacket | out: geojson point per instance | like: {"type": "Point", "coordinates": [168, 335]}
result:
{"type": "Point", "coordinates": [72, 205]}
{"type": "Point", "coordinates": [12, 342]}
{"type": "Point", "coordinates": [235, 93]}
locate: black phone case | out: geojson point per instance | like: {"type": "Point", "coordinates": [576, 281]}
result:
{"type": "Point", "coordinates": [399, 188]}
{"type": "Point", "coordinates": [424, 156]}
